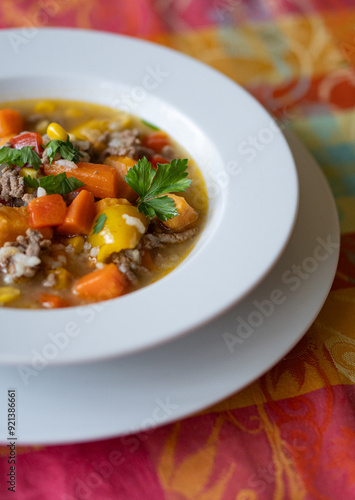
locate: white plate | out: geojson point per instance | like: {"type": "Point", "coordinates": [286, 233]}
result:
{"type": "Point", "coordinates": [99, 400]}
{"type": "Point", "coordinates": [253, 188]}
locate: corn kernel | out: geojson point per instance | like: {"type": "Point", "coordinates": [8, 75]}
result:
{"type": "Point", "coordinates": [8, 294]}
{"type": "Point", "coordinates": [73, 113]}
{"type": "Point", "coordinates": [41, 127]}
{"type": "Point", "coordinates": [56, 132]}
{"type": "Point", "coordinates": [45, 107]}
{"type": "Point", "coordinates": [77, 243]}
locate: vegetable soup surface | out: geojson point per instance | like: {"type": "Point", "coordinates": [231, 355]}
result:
{"type": "Point", "coordinates": [94, 203]}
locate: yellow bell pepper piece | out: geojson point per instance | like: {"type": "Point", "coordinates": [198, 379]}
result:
{"type": "Point", "coordinates": [27, 171]}
{"type": "Point", "coordinates": [63, 278]}
{"type": "Point", "coordinates": [90, 130]}
{"type": "Point", "coordinates": [9, 294]}
{"type": "Point", "coordinates": [123, 228]}
{"type": "Point", "coordinates": [56, 132]}
{"type": "Point", "coordinates": [109, 202]}
{"type": "Point", "coordinates": [77, 242]}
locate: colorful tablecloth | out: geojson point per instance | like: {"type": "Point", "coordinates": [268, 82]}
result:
{"type": "Point", "coordinates": [291, 434]}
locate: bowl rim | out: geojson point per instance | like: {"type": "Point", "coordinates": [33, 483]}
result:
{"type": "Point", "coordinates": [181, 106]}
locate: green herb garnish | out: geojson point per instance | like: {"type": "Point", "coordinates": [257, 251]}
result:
{"type": "Point", "coordinates": [55, 184]}
{"type": "Point", "coordinates": [151, 186]}
{"type": "Point", "coordinates": [20, 157]}
{"type": "Point", "coordinates": [150, 125]}
{"type": "Point", "coordinates": [99, 223]}
{"type": "Point", "coordinates": [66, 150]}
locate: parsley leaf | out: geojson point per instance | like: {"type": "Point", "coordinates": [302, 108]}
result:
{"type": "Point", "coordinates": [31, 182]}
{"type": "Point", "coordinates": [55, 184]}
{"type": "Point", "coordinates": [20, 157]}
{"type": "Point", "coordinates": [66, 150]}
{"type": "Point", "coordinates": [152, 184]}
{"type": "Point", "coordinates": [163, 207]}
{"type": "Point", "coordinates": [31, 157]}
{"type": "Point", "coordinates": [99, 223]}
{"type": "Point", "coordinates": [150, 125]}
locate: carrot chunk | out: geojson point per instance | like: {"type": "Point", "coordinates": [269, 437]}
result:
{"type": "Point", "coordinates": [47, 210]}
{"type": "Point", "coordinates": [103, 284]}
{"type": "Point", "coordinates": [122, 164]}
{"type": "Point", "coordinates": [6, 138]}
{"type": "Point", "coordinates": [156, 141]}
{"type": "Point", "coordinates": [100, 180]}
{"type": "Point", "coordinates": [14, 221]}
{"type": "Point", "coordinates": [11, 122]}
{"type": "Point", "coordinates": [80, 215]}
{"type": "Point", "coordinates": [51, 301]}
{"type": "Point", "coordinates": [187, 215]}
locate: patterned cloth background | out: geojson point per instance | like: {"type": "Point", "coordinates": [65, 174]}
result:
{"type": "Point", "coordinates": [291, 434]}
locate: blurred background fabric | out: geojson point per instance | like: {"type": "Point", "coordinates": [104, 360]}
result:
{"type": "Point", "coordinates": [290, 434]}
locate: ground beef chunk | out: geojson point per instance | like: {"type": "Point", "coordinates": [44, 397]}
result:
{"type": "Point", "coordinates": [157, 240]}
{"type": "Point", "coordinates": [129, 262]}
{"type": "Point", "coordinates": [11, 185]}
{"type": "Point", "coordinates": [125, 143]}
{"type": "Point", "coordinates": [85, 148]}
{"type": "Point", "coordinates": [22, 257]}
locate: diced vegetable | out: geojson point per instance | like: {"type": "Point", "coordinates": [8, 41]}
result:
{"type": "Point", "coordinates": [47, 232]}
{"type": "Point", "coordinates": [187, 215]}
{"type": "Point", "coordinates": [11, 122]}
{"type": "Point", "coordinates": [156, 141]}
{"type": "Point", "coordinates": [45, 107]}
{"type": "Point", "coordinates": [48, 210]}
{"type": "Point", "coordinates": [123, 228]}
{"type": "Point", "coordinates": [147, 260]}
{"type": "Point", "coordinates": [158, 159]}
{"type": "Point", "coordinates": [100, 180]}
{"type": "Point", "coordinates": [14, 221]}
{"type": "Point", "coordinates": [109, 202]}
{"type": "Point", "coordinates": [29, 171]}
{"type": "Point", "coordinates": [6, 138]}
{"type": "Point", "coordinates": [122, 164]}
{"type": "Point", "coordinates": [77, 243]}
{"type": "Point", "coordinates": [56, 132]}
{"type": "Point", "coordinates": [9, 294]}
{"type": "Point", "coordinates": [63, 278]}
{"type": "Point", "coordinates": [80, 215]}
{"type": "Point", "coordinates": [90, 130]}
{"type": "Point", "coordinates": [103, 284]}
{"type": "Point", "coordinates": [31, 139]}
{"type": "Point", "coordinates": [51, 301]}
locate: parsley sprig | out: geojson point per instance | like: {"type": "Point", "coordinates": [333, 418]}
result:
{"type": "Point", "coordinates": [66, 150]}
{"type": "Point", "coordinates": [99, 223]}
{"type": "Point", "coordinates": [152, 186]}
{"type": "Point", "coordinates": [55, 184]}
{"type": "Point", "coordinates": [20, 157]}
